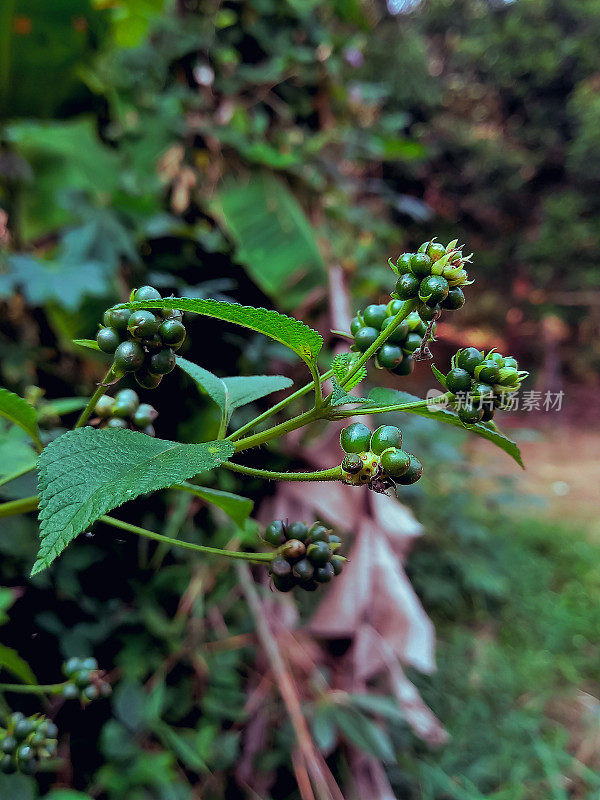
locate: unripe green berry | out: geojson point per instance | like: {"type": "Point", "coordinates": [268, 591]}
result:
{"type": "Point", "coordinates": [145, 293]}
{"type": "Point", "coordinates": [90, 692]}
{"type": "Point", "coordinates": [481, 389]}
{"type": "Point", "coordinates": [394, 307]}
{"type": "Point", "coordinates": [458, 380]}
{"type": "Point", "coordinates": [337, 562]}
{"type": "Point", "coordinates": [454, 300]}
{"type": "Point", "coordinates": [108, 340]}
{"type": "Point", "coordinates": [433, 290]}
{"type": "Point", "coordinates": [469, 414]}
{"type": "Point", "coordinates": [162, 363]}
{"type": "Point", "coordinates": [420, 264]}
{"type": "Point", "coordinates": [116, 422]}
{"type": "Point", "coordinates": [142, 324]}
{"type": "Point", "coordinates": [318, 533]}
{"type": "Point", "coordinates": [400, 332]}
{"type": "Point", "coordinates": [469, 358]}
{"type": "Point", "coordinates": [395, 462]}
{"type": "Point", "coordinates": [390, 356]}
{"type": "Point", "coordinates": [365, 337]}
{"type": "Point", "coordinates": [297, 530]}
{"type": "Point", "coordinates": [412, 342]}
{"type": "Point", "coordinates": [104, 406]}
{"type": "Point", "coordinates": [71, 666]}
{"type": "Point", "coordinates": [412, 474]}
{"type": "Point", "coordinates": [117, 318]}
{"type": "Point", "coordinates": [355, 438]}
{"type": "Point", "coordinates": [82, 678]}
{"type": "Point", "coordinates": [23, 728]}
{"type": "Point", "coordinates": [70, 691]}
{"type": "Point", "coordinates": [8, 744]}
{"type": "Point", "coordinates": [407, 286]}
{"type": "Point", "coordinates": [436, 250]}
{"type": "Point", "coordinates": [385, 436]}
{"type": "Point", "coordinates": [275, 533]}
{"type": "Point", "coordinates": [487, 372]}
{"type": "Point", "coordinates": [403, 263]}
{"type": "Point", "coordinates": [129, 356]}
{"type": "Point", "coordinates": [126, 403]}
{"type": "Point", "coordinates": [144, 416]}
{"type": "Point", "coordinates": [374, 315]}
{"type": "Point", "coordinates": [172, 332]}
{"type": "Point", "coordinates": [355, 326]}
{"type": "Point", "coordinates": [89, 664]}
{"type": "Point", "coordinates": [319, 553]}
{"type": "Point", "coordinates": [406, 367]}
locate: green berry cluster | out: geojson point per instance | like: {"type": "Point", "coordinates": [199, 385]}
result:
{"type": "Point", "coordinates": [84, 681]}
{"type": "Point", "coordinates": [396, 354]}
{"type": "Point", "coordinates": [142, 342]}
{"type": "Point", "coordinates": [124, 410]}
{"type": "Point", "coordinates": [434, 276]}
{"type": "Point", "coordinates": [306, 555]}
{"type": "Point", "coordinates": [482, 383]}
{"type": "Point", "coordinates": [377, 459]}
{"type": "Point", "coordinates": [25, 742]}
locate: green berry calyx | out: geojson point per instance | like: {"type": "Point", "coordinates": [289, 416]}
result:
{"type": "Point", "coordinates": [306, 557]}
{"type": "Point", "coordinates": [142, 342]}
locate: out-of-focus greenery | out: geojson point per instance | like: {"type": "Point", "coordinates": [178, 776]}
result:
{"type": "Point", "coordinates": [238, 150]}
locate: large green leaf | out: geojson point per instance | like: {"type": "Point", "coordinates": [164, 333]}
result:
{"type": "Point", "coordinates": [10, 660]}
{"type": "Point", "coordinates": [234, 505]}
{"type": "Point", "coordinates": [87, 472]}
{"type": "Point", "coordinates": [208, 382]}
{"type": "Point", "coordinates": [275, 241]}
{"type": "Point", "coordinates": [304, 341]}
{"type": "Point", "coordinates": [19, 411]}
{"type": "Point", "coordinates": [391, 397]}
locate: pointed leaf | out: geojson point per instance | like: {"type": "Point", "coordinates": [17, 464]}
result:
{"type": "Point", "coordinates": [340, 397]}
{"type": "Point", "coordinates": [304, 341]}
{"type": "Point", "coordinates": [10, 660]}
{"type": "Point", "coordinates": [364, 733]}
{"type": "Point", "coordinates": [19, 411]}
{"type": "Point", "coordinates": [87, 472]}
{"type": "Point", "coordinates": [439, 375]}
{"type": "Point", "coordinates": [342, 365]}
{"type": "Point", "coordinates": [211, 384]}
{"type": "Point", "coordinates": [247, 389]}
{"type": "Point", "coordinates": [90, 344]}
{"type": "Point", "coordinates": [234, 505]}
{"type": "Point", "coordinates": [391, 397]}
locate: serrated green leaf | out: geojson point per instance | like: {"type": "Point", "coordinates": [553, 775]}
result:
{"type": "Point", "coordinates": [292, 333]}
{"type": "Point", "coordinates": [342, 364]}
{"type": "Point", "coordinates": [10, 660]}
{"type": "Point", "coordinates": [231, 393]}
{"type": "Point", "coordinates": [90, 344]}
{"type": "Point", "coordinates": [439, 375]}
{"type": "Point", "coordinates": [340, 397]}
{"type": "Point", "coordinates": [19, 411]}
{"type": "Point", "coordinates": [87, 472]}
{"type": "Point", "coordinates": [246, 389]}
{"type": "Point", "coordinates": [234, 505]}
{"type": "Point", "coordinates": [391, 397]}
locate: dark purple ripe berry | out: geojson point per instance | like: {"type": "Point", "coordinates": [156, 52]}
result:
{"type": "Point", "coordinates": [325, 573]}
{"type": "Point", "coordinates": [304, 570]}
{"type": "Point", "coordinates": [412, 474]}
{"type": "Point", "coordinates": [281, 567]}
{"type": "Point", "coordinates": [147, 380]}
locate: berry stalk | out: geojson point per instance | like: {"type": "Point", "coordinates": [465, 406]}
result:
{"type": "Point", "coordinates": [110, 378]}
{"type": "Point", "coordinates": [333, 474]}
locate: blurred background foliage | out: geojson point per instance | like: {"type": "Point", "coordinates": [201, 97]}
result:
{"type": "Point", "coordinates": [240, 150]}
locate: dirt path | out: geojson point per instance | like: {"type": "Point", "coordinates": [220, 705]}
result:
{"type": "Point", "coordinates": [562, 467]}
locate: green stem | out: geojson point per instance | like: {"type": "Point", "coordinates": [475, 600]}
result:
{"type": "Point", "coordinates": [399, 407]}
{"type": "Point", "coordinates": [107, 381]}
{"type": "Point", "coordinates": [17, 474]}
{"type": "Point", "coordinates": [173, 527]}
{"type": "Point", "coordinates": [277, 407]}
{"type": "Point", "coordinates": [316, 384]}
{"type": "Point", "coordinates": [125, 526]}
{"type": "Point", "coordinates": [26, 688]}
{"type": "Point", "coordinates": [333, 474]}
{"type": "Point", "coordinates": [407, 307]}
{"type": "Point", "coordinates": [19, 506]}
{"type": "Point", "coordinates": [279, 430]}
